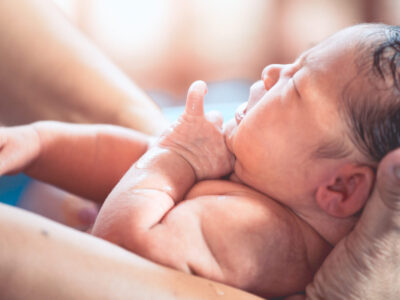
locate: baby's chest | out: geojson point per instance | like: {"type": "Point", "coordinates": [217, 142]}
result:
{"type": "Point", "coordinates": [237, 221]}
{"type": "Point", "coordinates": [252, 239]}
{"type": "Point", "coordinates": [235, 213]}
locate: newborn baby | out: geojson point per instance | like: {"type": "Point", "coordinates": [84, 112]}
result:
{"type": "Point", "coordinates": [257, 204]}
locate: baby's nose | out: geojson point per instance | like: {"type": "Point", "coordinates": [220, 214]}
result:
{"type": "Point", "coordinates": [270, 75]}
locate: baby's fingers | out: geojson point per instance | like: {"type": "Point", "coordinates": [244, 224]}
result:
{"type": "Point", "coordinates": [216, 118]}
{"type": "Point", "coordinates": [194, 101]}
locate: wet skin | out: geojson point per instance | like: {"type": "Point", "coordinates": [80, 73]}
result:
{"type": "Point", "coordinates": [262, 230]}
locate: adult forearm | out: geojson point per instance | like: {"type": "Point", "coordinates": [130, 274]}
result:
{"type": "Point", "coordinates": [49, 70]}
{"type": "Point", "coordinates": [87, 160]}
{"type": "Point", "coordinates": [41, 259]}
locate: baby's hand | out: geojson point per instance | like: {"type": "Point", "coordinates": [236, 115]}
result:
{"type": "Point", "coordinates": [198, 138]}
{"type": "Point", "coordinates": [19, 148]}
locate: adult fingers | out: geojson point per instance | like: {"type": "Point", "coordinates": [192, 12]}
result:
{"type": "Point", "coordinates": [194, 100]}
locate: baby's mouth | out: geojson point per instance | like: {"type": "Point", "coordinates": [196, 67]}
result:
{"type": "Point", "coordinates": [240, 112]}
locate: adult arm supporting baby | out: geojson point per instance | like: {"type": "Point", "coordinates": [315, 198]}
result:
{"type": "Point", "coordinates": [87, 160]}
{"type": "Point", "coordinates": [51, 71]}
{"type": "Point", "coordinates": [63, 263]}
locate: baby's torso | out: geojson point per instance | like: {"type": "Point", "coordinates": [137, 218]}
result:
{"type": "Point", "coordinates": [258, 244]}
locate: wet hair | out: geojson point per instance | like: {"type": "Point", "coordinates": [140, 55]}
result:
{"type": "Point", "coordinates": [372, 105]}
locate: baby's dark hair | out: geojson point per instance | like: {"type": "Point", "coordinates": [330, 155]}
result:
{"type": "Point", "coordinates": [373, 110]}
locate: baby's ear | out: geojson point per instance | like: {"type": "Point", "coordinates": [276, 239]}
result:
{"type": "Point", "coordinates": [347, 191]}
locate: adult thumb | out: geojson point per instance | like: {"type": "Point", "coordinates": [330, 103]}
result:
{"type": "Point", "coordinates": [382, 212]}
{"type": "Point", "coordinates": [388, 181]}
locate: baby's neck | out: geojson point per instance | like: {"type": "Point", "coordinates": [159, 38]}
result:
{"type": "Point", "coordinates": [329, 228]}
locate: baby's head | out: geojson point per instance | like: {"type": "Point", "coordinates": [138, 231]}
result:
{"type": "Point", "coordinates": [371, 102]}
{"type": "Point", "coordinates": [313, 132]}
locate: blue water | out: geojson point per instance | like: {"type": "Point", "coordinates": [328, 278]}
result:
{"type": "Point", "coordinates": [12, 187]}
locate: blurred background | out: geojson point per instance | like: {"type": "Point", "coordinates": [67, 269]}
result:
{"type": "Point", "coordinates": [164, 45]}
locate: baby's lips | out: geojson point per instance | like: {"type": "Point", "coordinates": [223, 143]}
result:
{"type": "Point", "coordinates": [240, 112]}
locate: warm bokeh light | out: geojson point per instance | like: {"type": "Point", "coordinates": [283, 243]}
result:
{"type": "Point", "coordinates": [164, 45]}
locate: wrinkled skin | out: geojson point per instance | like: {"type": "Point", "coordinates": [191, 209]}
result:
{"type": "Point", "coordinates": [199, 138]}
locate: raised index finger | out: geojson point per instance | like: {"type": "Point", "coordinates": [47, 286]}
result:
{"type": "Point", "coordinates": [195, 96]}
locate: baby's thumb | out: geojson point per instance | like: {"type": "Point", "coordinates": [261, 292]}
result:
{"type": "Point", "coordinates": [216, 118]}
{"type": "Point", "coordinates": [195, 96]}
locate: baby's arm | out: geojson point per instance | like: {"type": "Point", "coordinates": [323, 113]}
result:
{"type": "Point", "coordinates": [193, 149]}
{"type": "Point", "coordinates": [87, 160]}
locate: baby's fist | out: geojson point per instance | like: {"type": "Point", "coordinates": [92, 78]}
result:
{"type": "Point", "coordinates": [198, 138]}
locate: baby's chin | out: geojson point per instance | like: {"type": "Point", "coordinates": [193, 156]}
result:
{"type": "Point", "coordinates": [233, 177]}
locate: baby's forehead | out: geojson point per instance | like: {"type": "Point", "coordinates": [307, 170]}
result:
{"type": "Point", "coordinates": [341, 45]}
{"type": "Point", "coordinates": [345, 44]}
{"type": "Point", "coordinates": [342, 57]}
{"type": "Point", "coordinates": [331, 63]}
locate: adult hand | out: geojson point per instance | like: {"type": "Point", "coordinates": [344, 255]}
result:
{"type": "Point", "coordinates": [199, 138]}
{"type": "Point", "coordinates": [366, 264]}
